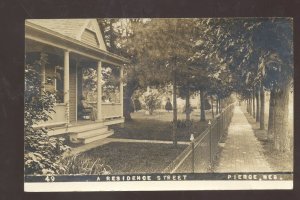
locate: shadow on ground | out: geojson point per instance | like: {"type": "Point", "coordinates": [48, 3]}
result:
{"type": "Point", "coordinates": [278, 161]}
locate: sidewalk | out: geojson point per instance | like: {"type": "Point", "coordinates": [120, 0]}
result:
{"type": "Point", "coordinates": [242, 151]}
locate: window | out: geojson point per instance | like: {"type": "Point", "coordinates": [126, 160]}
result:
{"type": "Point", "coordinates": [59, 84]}
{"type": "Point", "coordinates": [54, 77]}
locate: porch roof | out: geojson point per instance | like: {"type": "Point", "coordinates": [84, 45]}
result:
{"type": "Point", "coordinates": [64, 34]}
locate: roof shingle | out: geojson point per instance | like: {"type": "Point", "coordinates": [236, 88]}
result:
{"type": "Point", "coordinates": [66, 27]}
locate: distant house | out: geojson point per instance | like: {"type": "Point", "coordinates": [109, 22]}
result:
{"type": "Point", "coordinates": [73, 46]}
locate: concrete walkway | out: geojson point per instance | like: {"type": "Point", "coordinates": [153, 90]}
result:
{"type": "Point", "coordinates": [242, 151]}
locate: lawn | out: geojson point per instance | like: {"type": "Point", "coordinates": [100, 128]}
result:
{"type": "Point", "coordinates": [126, 158]}
{"type": "Point", "coordinates": [156, 127]}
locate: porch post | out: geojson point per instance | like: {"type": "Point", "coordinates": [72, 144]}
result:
{"type": "Point", "coordinates": [99, 93]}
{"type": "Point", "coordinates": [121, 90]}
{"type": "Point", "coordinates": [67, 84]}
{"type": "Point", "coordinates": [43, 77]}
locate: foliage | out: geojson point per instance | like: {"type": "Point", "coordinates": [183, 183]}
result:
{"type": "Point", "coordinates": [184, 123]}
{"type": "Point", "coordinates": [137, 104]}
{"type": "Point", "coordinates": [168, 106]}
{"type": "Point", "coordinates": [81, 164]}
{"type": "Point", "coordinates": [217, 56]}
{"type": "Point", "coordinates": [42, 153]}
{"type": "Point", "coordinates": [89, 80]}
{"type": "Point", "coordinates": [152, 101]}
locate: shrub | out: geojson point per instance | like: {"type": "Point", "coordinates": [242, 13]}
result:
{"type": "Point", "coordinates": [183, 123]}
{"type": "Point", "coordinates": [137, 104]}
{"type": "Point", "coordinates": [41, 152]}
{"type": "Point", "coordinates": [152, 101]}
{"type": "Point", "coordinates": [80, 164]}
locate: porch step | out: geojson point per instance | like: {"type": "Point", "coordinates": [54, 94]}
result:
{"type": "Point", "coordinates": [95, 136]}
{"type": "Point", "coordinates": [86, 127]}
{"type": "Point", "coordinates": [91, 132]}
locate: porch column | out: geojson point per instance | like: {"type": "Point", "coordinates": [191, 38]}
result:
{"type": "Point", "coordinates": [121, 90]}
{"type": "Point", "coordinates": [99, 93]}
{"type": "Point", "coordinates": [67, 84]}
{"type": "Point", "coordinates": [43, 77]}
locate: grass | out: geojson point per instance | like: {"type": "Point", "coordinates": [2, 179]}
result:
{"type": "Point", "coordinates": [81, 164]}
{"type": "Point", "coordinates": [126, 158]}
{"type": "Point", "coordinates": [280, 162]}
{"type": "Point", "coordinates": [157, 127]}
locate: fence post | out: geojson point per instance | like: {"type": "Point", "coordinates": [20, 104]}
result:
{"type": "Point", "coordinates": [210, 142]}
{"type": "Point", "coordinates": [226, 119]}
{"type": "Point", "coordinates": [193, 152]}
{"type": "Point", "coordinates": [193, 157]}
{"type": "Point", "coordinates": [219, 134]}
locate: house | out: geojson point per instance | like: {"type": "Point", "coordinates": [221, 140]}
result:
{"type": "Point", "coordinates": [76, 50]}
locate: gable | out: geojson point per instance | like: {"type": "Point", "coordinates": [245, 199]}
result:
{"type": "Point", "coordinates": [91, 35]}
{"type": "Point", "coordinates": [84, 30]}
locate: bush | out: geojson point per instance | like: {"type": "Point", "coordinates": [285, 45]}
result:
{"type": "Point", "coordinates": [80, 164]}
{"type": "Point", "coordinates": [152, 101]}
{"type": "Point", "coordinates": [137, 104]}
{"type": "Point", "coordinates": [42, 153]}
{"type": "Point", "coordinates": [184, 123]}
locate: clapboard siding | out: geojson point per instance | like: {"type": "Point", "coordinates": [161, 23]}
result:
{"type": "Point", "coordinates": [90, 37]}
{"type": "Point", "coordinates": [73, 93]}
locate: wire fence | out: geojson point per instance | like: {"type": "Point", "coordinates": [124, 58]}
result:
{"type": "Point", "coordinates": [200, 154]}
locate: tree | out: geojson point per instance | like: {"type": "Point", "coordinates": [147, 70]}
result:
{"type": "Point", "coordinates": [262, 109]}
{"type": "Point", "coordinates": [120, 37]}
{"type": "Point", "coordinates": [273, 38]}
{"type": "Point", "coordinates": [163, 46]}
{"type": "Point", "coordinates": [247, 43]}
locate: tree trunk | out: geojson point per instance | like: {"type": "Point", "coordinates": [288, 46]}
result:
{"type": "Point", "coordinates": [187, 105]}
{"type": "Point", "coordinates": [271, 120]}
{"type": "Point", "coordinates": [262, 108]}
{"type": "Point", "coordinates": [212, 107]}
{"type": "Point", "coordinates": [174, 109]}
{"type": "Point", "coordinates": [202, 116]}
{"type": "Point", "coordinates": [250, 105]}
{"type": "Point", "coordinates": [217, 106]}
{"type": "Point", "coordinates": [281, 113]}
{"type": "Point", "coordinates": [220, 105]}
{"type": "Point", "coordinates": [129, 90]}
{"type": "Point", "coordinates": [257, 105]}
{"type": "Point", "coordinates": [253, 102]}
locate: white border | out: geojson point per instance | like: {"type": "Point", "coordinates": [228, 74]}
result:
{"type": "Point", "coordinates": [157, 186]}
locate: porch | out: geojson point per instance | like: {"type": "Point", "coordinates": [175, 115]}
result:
{"type": "Point", "coordinates": [77, 68]}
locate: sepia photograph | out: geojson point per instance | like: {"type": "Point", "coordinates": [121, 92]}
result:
{"type": "Point", "coordinates": [135, 104]}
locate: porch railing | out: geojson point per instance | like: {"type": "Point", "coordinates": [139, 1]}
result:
{"type": "Point", "coordinates": [59, 116]}
{"type": "Point", "coordinates": [111, 110]}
